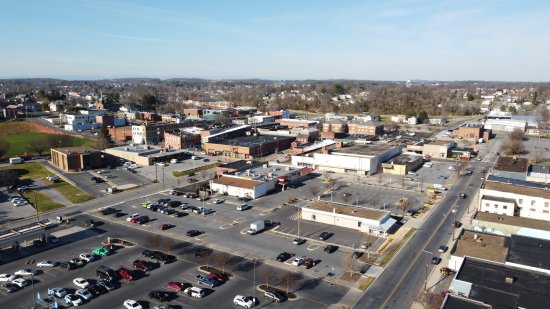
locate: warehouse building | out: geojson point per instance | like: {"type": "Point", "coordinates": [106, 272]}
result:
{"type": "Point", "coordinates": [354, 159]}
{"type": "Point", "coordinates": [366, 220]}
{"type": "Point", "coordinates": [76, 159]}
{"type": "Point", "coordinates": [402, 164]}
{"type": "Point", "coordinates": [248, 147]}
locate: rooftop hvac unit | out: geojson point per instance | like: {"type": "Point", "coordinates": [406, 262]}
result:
{"type": "Point", "coordinates": [264, 166]}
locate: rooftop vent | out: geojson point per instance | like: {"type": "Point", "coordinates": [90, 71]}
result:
{"type": "Point", "coordinates": [510, 280]}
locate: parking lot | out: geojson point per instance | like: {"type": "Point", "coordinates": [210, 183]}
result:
{"type": "Point", "coordinates": [10, 212]}
{"type": "Point", "coordinates": [155, 171]}
{"type": "Point", "coordinates": [246, 274]}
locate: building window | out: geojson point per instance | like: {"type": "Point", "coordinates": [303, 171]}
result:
{"type": "Point", "coordinates": [487, 204]}
{"type": "Point", "coordinates": [520, 201]}
{"type": "Point", "coordinates": [504, 207]}
{"type": "Point", "coordinates": [533, 209]}
{"type": "Point", "coordinates": [532, 203]}
{"type": "Point", "coordinates": [496, 205]}
{"type": "Point", "coordinates": [545, 211]}
{"type": "Point", "coordinates": [546, 204]}
{"type": "Point", "coordinates": [313, 217]}
{"type": "Point", "coordinates": [359, 224]}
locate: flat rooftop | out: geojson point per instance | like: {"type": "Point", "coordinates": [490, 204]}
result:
{"type": "Point", "coordinates": [364, 150]}
{"type": "Point", "coordinates": [530, 251]}
{"type": "Point", "coordinates": [275, 169]}
{"type": "Point", "coordinates": [237, 182]}
{"type": "Point", "coordinates": [511, 188]}
{"type": "Point", "coordinates": [440, 143]}
{"type": "Point", "coordinates": [482, 245]}
{"type": "Point", "coordinates": [362, 212]}
{"type": "Point", "coordinates": [514, 221]}
{"type": "Point", "coordinates": [251, 141]}
{"type": "Point", "coordinates": [76, 150]}
{"type": "Point", "coordinates": [138, 149]}
{"type": "Point", "coordinates": [517, 182]}
{"type": "Point", "coordinates": [498, 199]}
{"type": "Point", "coordinates": [457, 302]}
{"type": "Point", "coordinates": [511, 164]}
{"type": "Point", "coordinates": [405, 158]}
{"type": "Point", "coordinates": [528, 289]}
{"type": "Point", "coordinates": [241, 164]}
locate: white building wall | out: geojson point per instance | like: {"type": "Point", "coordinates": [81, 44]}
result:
{"type": "Point", "coordinates": [533, 207]}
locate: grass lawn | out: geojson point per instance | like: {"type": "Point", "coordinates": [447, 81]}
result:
{"type": "Point", "coordinates": [44, 202]}
{"type": "Point", "coordinates": [37, 171]}
{"type": "Point", "coordinates": [71, 193]}
{"type": "Point", "coordinates": [18, 142]}
{"type": "Point", "coordinates": [15, 127]}
{"type": "Point", "coordinates": [395, 247]}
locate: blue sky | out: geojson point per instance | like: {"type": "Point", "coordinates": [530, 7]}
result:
{"type": "Point", "coordinates": [505, 40]}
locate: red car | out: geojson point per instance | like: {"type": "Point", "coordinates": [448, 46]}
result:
{"type": "Point", "coordinates": [134, 220]}
{"type": "Point", "coordinates": [216, 277]}
{"type": "Point", "coordinates": [125, 273]}
{"type": "Point", "coordinates": [308, 263]}
{"type": "Point", "coordinates": [175, 286]}
{"type": "Point", "coordinates": [140, 264]}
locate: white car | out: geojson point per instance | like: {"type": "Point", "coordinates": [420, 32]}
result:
{"type": "Point", "coordinates": [20, 282]}
{"type": "Point", "coordinates": [46, 264]}
{"type": "Point", "coordinates": [86, 257]}
{"type": "Point", "coordinates": [412, 173]}
{"type": "Point", "coordinates": [243, 207]}
{"type": "Point", "coordinates": [58, 292]}
{"type": "Point", "coordinates": [132, 304]}
{"type": "Point", "coordinates": [73, 300]}
{"type": "Point", "coordinates": [244, 301]}
{"type": "Point", "coordinates": [84, 293]}
{"type": "Point", "coordinates": [194, 292]}
{"type": "Point", "coordinates": [161, 164]}
{"type": "Point", "coordinates": [298, 261]}
{"type": "Point", "coordinates": [218, 201]}
{"type": "Point", "coordinates": [7, 278]}
{"type": "Point", "coordinates": [26, 272]}
{"type": "Point", "coordinates": [81, 283]}
{"type": "Point", "coordinates": [130, 217]}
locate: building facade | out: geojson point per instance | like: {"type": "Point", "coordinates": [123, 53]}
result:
{"type": "Point", "coordinates": [76, 159]}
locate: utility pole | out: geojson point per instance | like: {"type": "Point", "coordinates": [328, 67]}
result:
{"type": "Point", "coordinates": [33, 292]}
{"type": "Point", "coordinates": [454, 211]}
{"type": "Point", "coordinates": [36, 207]}
{"type": "Point", "coordinates": [426, 270]}
{"type": "Point", "coordinates": [156, 173]}
{"type": "Point", "coordinates": [163, 177]}
{"type": "Point", "coordinates": [254, 261]}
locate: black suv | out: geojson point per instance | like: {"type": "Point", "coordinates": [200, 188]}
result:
{"type": "Point", "coordinates": [283, 256]}
{"type": "Point", "coordinates": [330, 248]}
{"type": "Point", "coordinates": [150, 253]}
{"type": "Point", "coordinates": [325, 235]}
{"type": "Point", "coordinates": [108, 211]}
{"type": "Point", "coordinates": [174, 204]}
{"type": "Point", "coordinates": [159, 295]}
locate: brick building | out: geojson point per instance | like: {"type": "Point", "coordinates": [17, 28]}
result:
{"type": "Point", "coordinates": [180, 139]}
{"type": "Point", "coordinates": [248, 147]}
{"type": "Point", "coordinates": [472, 131]}
{"type": "Point", "coordinates": [366, 128]}
{"type": "Point", "coordinates": [76, 159]}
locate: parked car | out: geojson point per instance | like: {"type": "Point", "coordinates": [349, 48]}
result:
{"type": "Point", "coordinates": [283, 256]}
{"type": "Point", "coordinates": [325, 235]}
{"type": "Point", "coordinates": [81, 283]}
{"type": "Point", "coordinates": [218, 201]}
{"type": "Point", "coordinates": [132, 304]}
{"type": "Point", "coordinates": [7, 277]}
{"type": "Point", "coordinates": [106, 284]}
{"type": "Point", "coordinates": [21, 282]}
{"type": "Point", "coordinates": [90, 223]}
{"type": "Point", "coordinates": [59, 292]}
{"type": "Point", "coordinates": [442, 249]}
{"type": "Point", "coordinates": [308, 263]}
{"type": "Point", "coordinates": [72, 300]}
{"type": "Point", "coordinates": [107, 211]}
{"type": "Point", "coordinates": [175, 286]}
{"type": "Point", "coordinates": [78, 262]}
{"type": "Point", "coordinates": [26, 272]}
{"type": "Point", "coordinates": [67, 265]}
{"type": "Point", "coordinates": [193, 233]}
{"type": "Point", "coordinates": [242, 207]}
{"type": "Point", "coordinates": [330, 249]}
{"type": "Point", "coordinates": [130, 217]}
{"type": "Point", "coordinates": [435, 260]}
{"type": "Point", "coordinates": [165, 227]}
{"type": "Point", "coordinates": [159, 295]}
{"type": "Point", "coordinates": [194, 291]}
{"type": "Point", "coordinates": [244, 301]}
{"type": "Point", "coordinates": [86, 257]}
{"type": "Point", "coordinates": [46, 263]}
{"type": "Point", "coordinates": [101, 251]}
{"type": "Point", "coordinates": [201, 279]}
{"type": "Point", "coordinates": [174, 204]}
{"type": "Point", "coordinates": [84, 294]}
{"type": "Point", "coordinates": [175, 192]}
{"type": "Point", "coordinates": [97, 290]}
{"type": "Point", "coordinates": [10, 287]}
{"type": "Point", "coordinates": [217, 277]}
{"type": "Point", "coordinates": [298, 261]}
{"type": "Point", "coordinates": [52, 239]}
{"type": "Point", "coordinates": [141, 264]}
{"type": "Point", "coordinates": [275, 296]}
{"type": "Point", "coordinates": [299, 241]}
{"type": "Point", "coordinates": [125, 273]}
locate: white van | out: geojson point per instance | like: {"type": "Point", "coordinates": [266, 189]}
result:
{"type": "Point", "coordinates": [173, 161]}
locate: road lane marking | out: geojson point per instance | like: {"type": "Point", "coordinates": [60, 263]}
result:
{"type": "Point", "coordinates": [405, 274]}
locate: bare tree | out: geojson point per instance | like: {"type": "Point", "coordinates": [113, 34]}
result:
{"type": "Point", "coordinates": [517, 134]}
{"type": "Point", "coordinates": [9, 178]}
{"type": "Point", "coordinates": [223, 259]}
{"type": "Point", "coordinates": [512, 147]}
{"type": "Point", "coordinates": [168, 244]}
{"type": "Point", "coordinates": [38, 146]}
{"type": "Point", "coordinates": [403, 205]}
{"type": "Point", "coordinates": [460, 168]}
{"type": "Point", "coordinates": [379, 178]}
{"type": "Point", "coordinates": [154, 241]}
{"type": "Point", "coordinates": [328, 183]}
{"type": "Point", "coordinates": [268, 276]}
{"type": "Point", "coordinates": [403, 182]}
{"type": "Point", "coordinates": [289, 279]}
{"type": "Point", "coordinates": [538, 155]}
{"type": "Point", "coordinates": [4, 147]}
{"type": "Point", "coordinates": [348, 262]}
{"type": "Point", "coordinates": [314, 190]}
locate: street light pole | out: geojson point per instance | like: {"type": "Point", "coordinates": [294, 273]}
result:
{"type": "Point", "coordinates": [454, 211]}
{"type": "Point", "coordinates": [36, 207]}
{"type": "Point", "coordinates": [426, 270]}
{"type": "Point", "coordinates": [254, 261]}
{"type": "Point", "coordinates": [33, 291]}
{"type": "Point", "coordinates": [163, 178]}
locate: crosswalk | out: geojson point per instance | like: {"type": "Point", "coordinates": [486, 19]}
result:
{"type": "Point", "coordinates": [294, 216]}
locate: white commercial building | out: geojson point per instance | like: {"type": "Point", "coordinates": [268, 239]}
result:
{"type": "Point", "coordinates": [366, 220]}
{"type": "Point", "coordinates": [82, 121]}
{"type": "Point", "coordinates": [509, 199]}
{"type": "Point", "coordinates": [505, 125]}
{"type": "Point", "coordinates": [355, 159]}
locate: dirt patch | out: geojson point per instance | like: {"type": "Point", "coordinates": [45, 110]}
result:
{"type": "Point", "coordinates": [349, 276]}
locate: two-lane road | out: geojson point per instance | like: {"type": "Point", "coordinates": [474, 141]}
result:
{"type": "Point", "coordinates": [404, 277]}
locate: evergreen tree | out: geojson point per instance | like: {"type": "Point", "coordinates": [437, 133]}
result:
{"type": "Point", "coordinates": [104, 139]}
